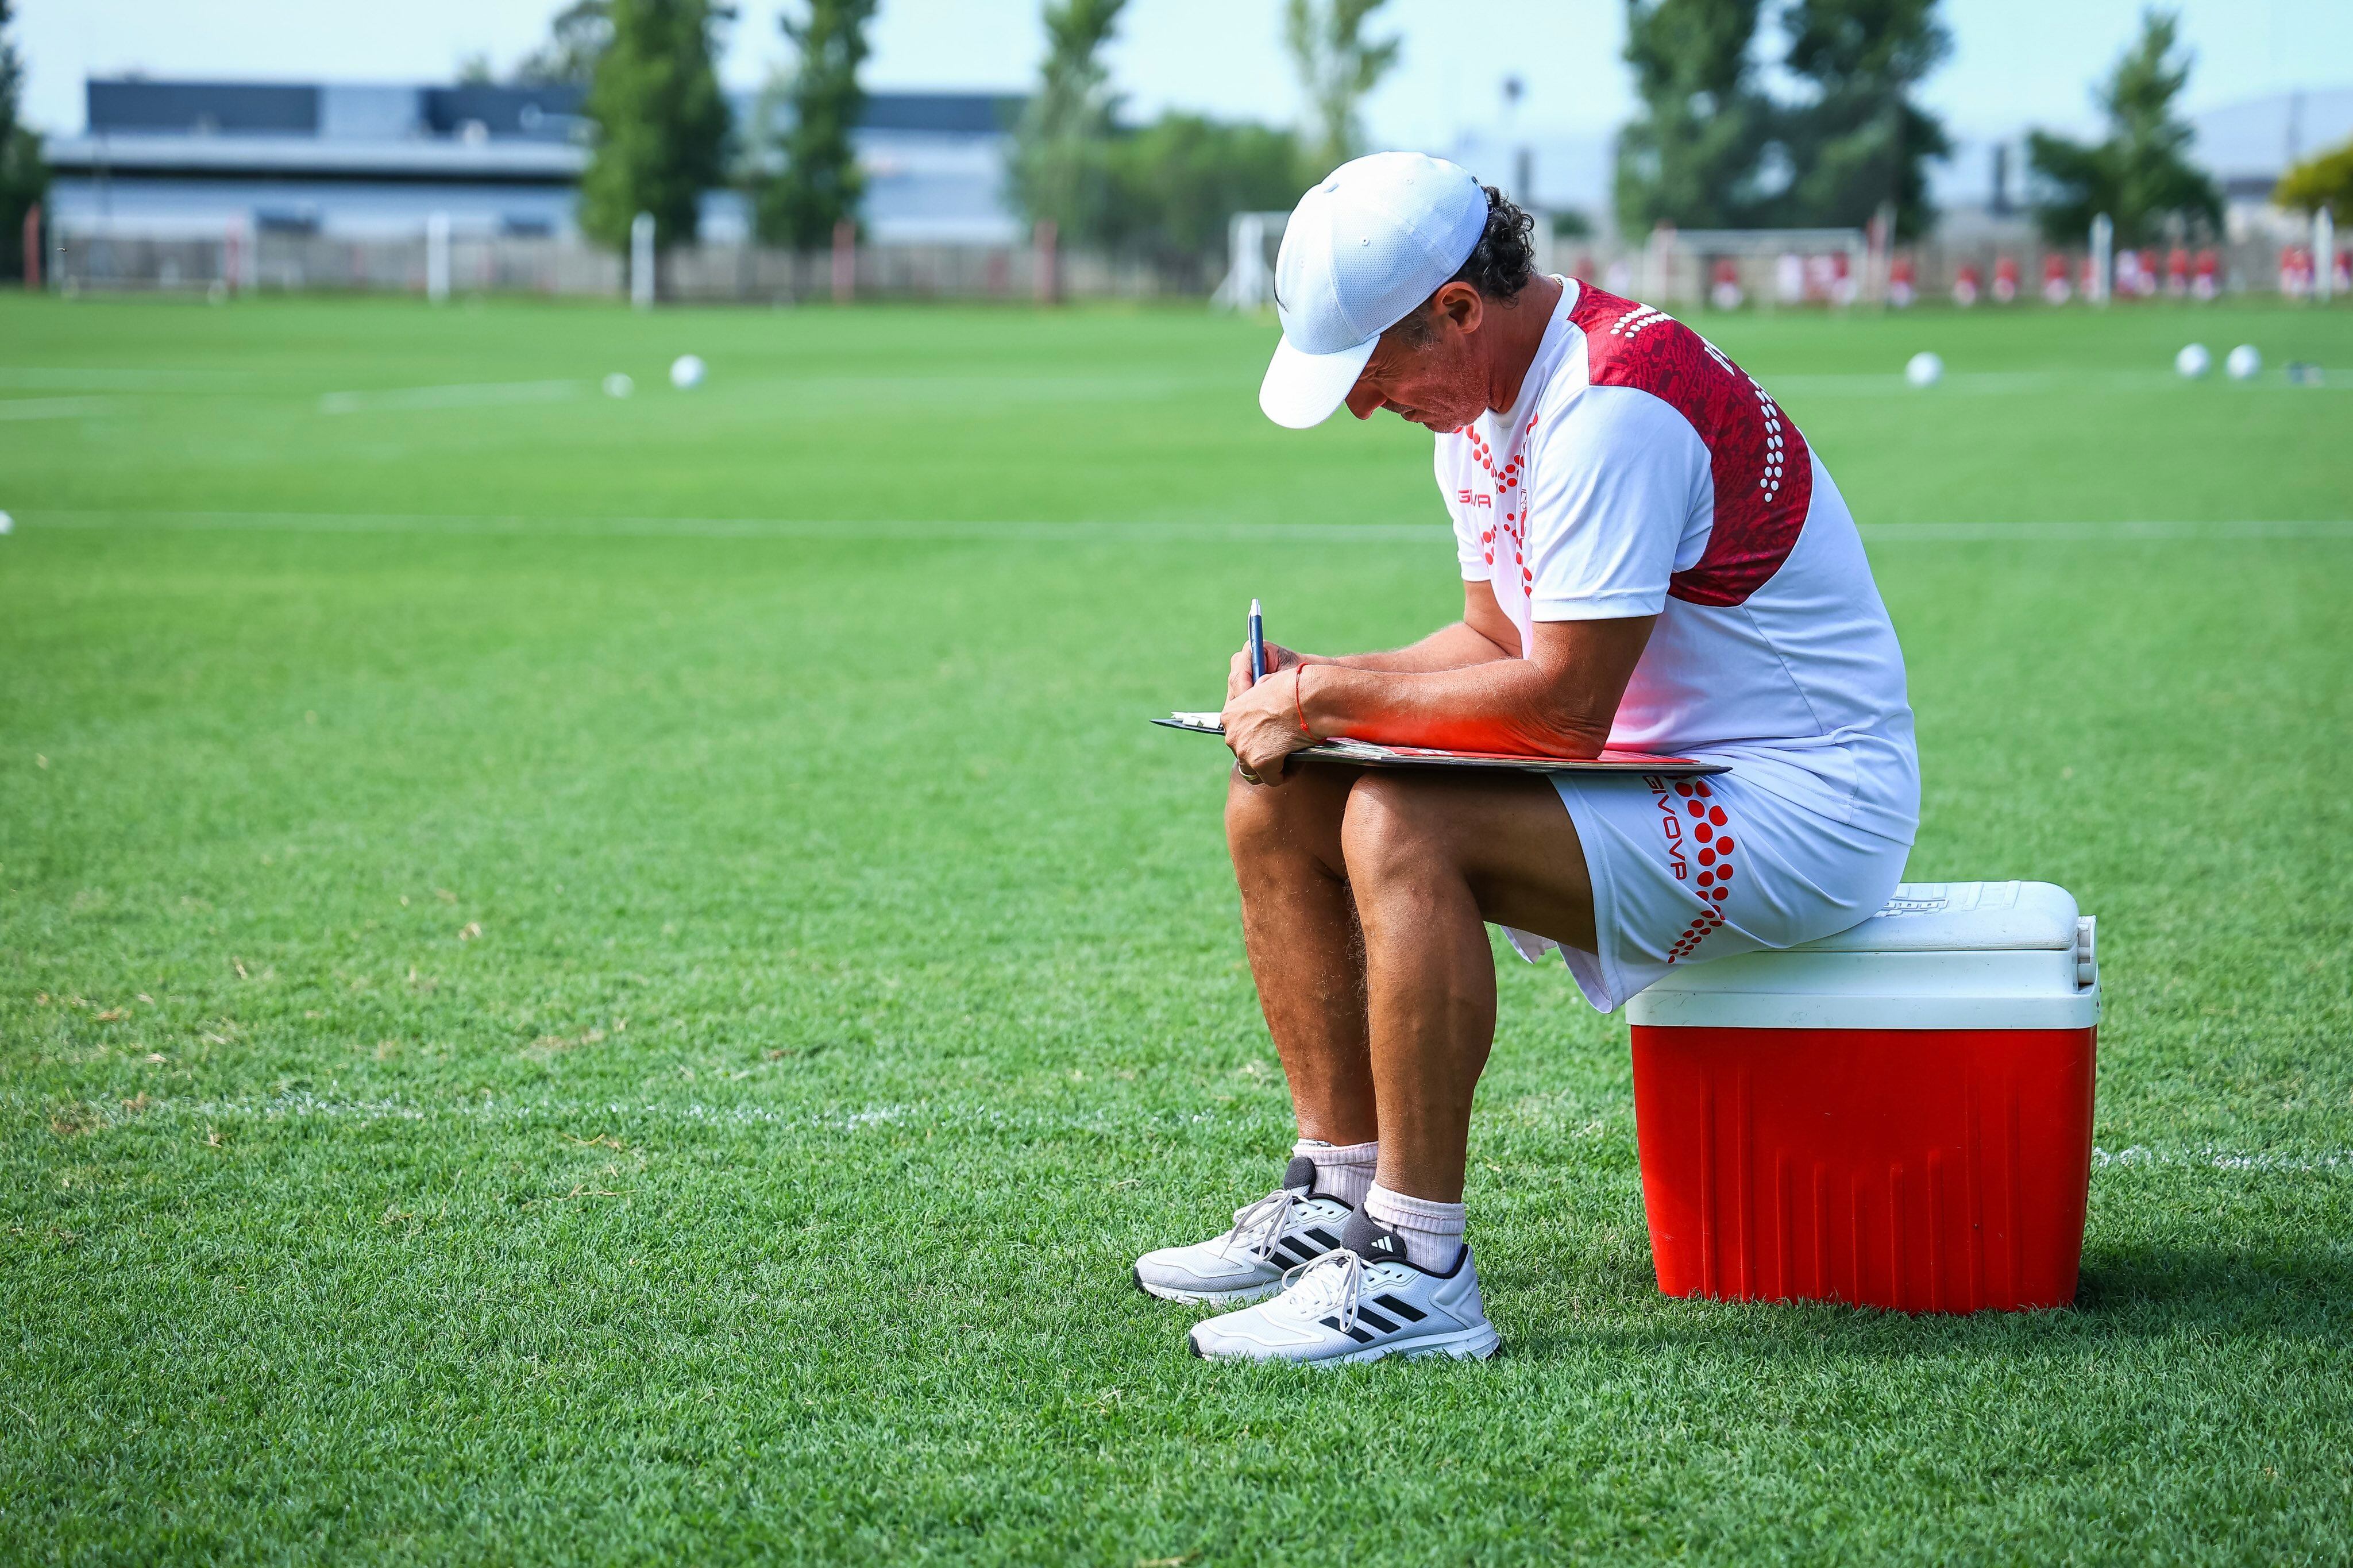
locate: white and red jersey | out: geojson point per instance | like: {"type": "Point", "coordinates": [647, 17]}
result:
{"type": "Point", "coordinates": [1641, 473]}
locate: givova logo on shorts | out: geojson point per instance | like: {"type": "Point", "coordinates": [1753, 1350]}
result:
{"type": "Point", "coordinates": [1694, 825]}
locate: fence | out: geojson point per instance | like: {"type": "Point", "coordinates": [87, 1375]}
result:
{"type": "Point", "coordinates": [1768, 269]}
{"type": "Point", "coordinates": [243, 260]}
{"type": "Point", "coordinates": [1693, 269]}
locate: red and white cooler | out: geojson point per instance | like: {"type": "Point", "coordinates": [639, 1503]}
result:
{"type": "Point", "coordinates": [1899, 1115]}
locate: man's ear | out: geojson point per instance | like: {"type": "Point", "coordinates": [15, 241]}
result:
{"type": "Point", "coordinates": [1462, 305]}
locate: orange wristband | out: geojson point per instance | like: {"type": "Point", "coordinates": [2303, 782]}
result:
{"type": "Point", "coordinates": [1298, 702]}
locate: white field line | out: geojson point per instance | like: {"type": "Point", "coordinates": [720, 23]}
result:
{"type": "Point", "coordinates": [1970, 532]}
{"type": "Point", "coordinates": [1996, 383]}
{"type": "Point", "coordinates": [748, 527]}
{"type": "Point", "coordinates": [1869, 383]}
{"type": "Point", "coordinates": [572, 1116]}
{"type": "Point", "coordinates": [1174, 531]}
{"type": "Point", "coordinates": [53, 408]}
{"type": "Point", "coordinates": [936, 389]}
{"type": "Point", "coordinates": [75, 378]}
{"type": "Point", "coordinates": [576, 1115]}
{"type": "Point", "coordinates": [2210, 1158]}
{"type": "Point", "coordinates": [471, 395]}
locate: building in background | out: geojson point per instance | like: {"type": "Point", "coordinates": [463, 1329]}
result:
{"type": "Point", "coordinates": [934, 167]}
{"type": "Point", "coordinates": [187, 159]}
{"type": "Point", "coordinates": [2249, 145]}
{"type": "Point", "coordinates": [174, 159]}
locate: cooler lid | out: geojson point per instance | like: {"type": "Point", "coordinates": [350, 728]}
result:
{"type": "Point", "coordinates": [1962, 917]}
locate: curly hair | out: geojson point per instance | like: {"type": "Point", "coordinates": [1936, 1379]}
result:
{"type": "Point", "coordinates": [1499, 264]}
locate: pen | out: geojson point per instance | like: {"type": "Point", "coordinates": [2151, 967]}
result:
{"type": "Point", "coordinates": [1256, 645]}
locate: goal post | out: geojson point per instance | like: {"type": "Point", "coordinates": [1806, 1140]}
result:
{"type": "Point", "coordinates": [1252, 240]}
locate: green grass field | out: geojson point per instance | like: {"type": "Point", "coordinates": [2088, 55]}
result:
{"type": "Point", "coordinates": [599, 980]}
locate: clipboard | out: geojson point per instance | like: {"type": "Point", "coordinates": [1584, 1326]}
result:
{"type": "Point", "coordinates": [1368, 754]}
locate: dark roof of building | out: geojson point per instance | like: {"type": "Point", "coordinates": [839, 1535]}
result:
{"type": "Point", "coordinates": [949, 113]}
{"type": "Point", "coordinates": [130, 106]}
{"type": "Point", "coordinates": [433, 160]}
{"type": "Point", "coordinates": [502, 111]}
{"type": "Point", "coordinates": [226, 107]}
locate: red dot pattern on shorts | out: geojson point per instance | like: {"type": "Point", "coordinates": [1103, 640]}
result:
{"type": "Point", "coordinates": [1714, 881]}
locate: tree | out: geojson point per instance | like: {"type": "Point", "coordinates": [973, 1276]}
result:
{"type": "Point", "coordinates": [1861, 142]}
{"type": "Point", "coordinates": [1175, 183]}
{"type": "Point", "coordinates": [1058, 168]}
{"type": "Point", "coordinates": [811, 116]}
{"type": "Point", "coordinates": [661, 124]}
{"type": "Point", "coordinates": [2140, 176]}
{"type": "Point", "coordinates": [1168, 187]}
{"type": "Point", "coordinates": [2324, 180]}
{"type": "Point", "coordinates": [1695, 154]}
{"type": "Point", "coordinates": [576, 41]}
{"type": "Point", "coordinates": [24, 179]}
{"type": "Point", "coordinates": [1338, 66]}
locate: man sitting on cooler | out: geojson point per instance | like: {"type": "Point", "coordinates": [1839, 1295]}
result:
{"type": "Point", "coordinates": [1652, 557]}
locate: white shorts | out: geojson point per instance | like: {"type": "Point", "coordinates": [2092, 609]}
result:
{"type": "Point", "coordinates": [1689, 870]}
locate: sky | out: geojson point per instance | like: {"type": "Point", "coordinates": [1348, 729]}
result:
{"type": "Point", "coordinates": [2015, 62]}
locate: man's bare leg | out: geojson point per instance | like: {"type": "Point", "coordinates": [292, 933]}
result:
{"type": "Point", "coordinates": [1430, 860]}
{"type": "Point", "coordinates": [1299, 924]}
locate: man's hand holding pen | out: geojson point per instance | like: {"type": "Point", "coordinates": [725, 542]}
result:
{"type": "Point", "coordinates": [1265, 719]}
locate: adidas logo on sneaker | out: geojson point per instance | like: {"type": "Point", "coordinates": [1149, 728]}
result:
{"type": "Point", "coordinates": [1360, 1302]}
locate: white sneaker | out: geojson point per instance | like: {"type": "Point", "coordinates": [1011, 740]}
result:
{"type": "Point", "coordinates": [1286, 1227]}
{"type": "Point", "coordinates": [1347, 1306]}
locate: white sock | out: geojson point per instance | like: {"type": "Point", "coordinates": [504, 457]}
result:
{"type": "Point", "coordinates": [1432, 1232]}
{"type": "Point", "coordinates": [1343, 1170]}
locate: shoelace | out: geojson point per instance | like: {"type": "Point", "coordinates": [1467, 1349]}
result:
{"type": "Point", "coordinates": [1313, 1289]}
{"type": "Point", "coordinates": [1272, 1213]}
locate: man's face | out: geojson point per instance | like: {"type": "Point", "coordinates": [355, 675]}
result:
{"type": "Point", "coordinates": [1437, 381]}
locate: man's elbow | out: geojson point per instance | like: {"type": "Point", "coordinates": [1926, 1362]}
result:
{"type": "Point", "coordinates": [1556, 733]}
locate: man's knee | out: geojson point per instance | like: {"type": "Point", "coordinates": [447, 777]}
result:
{"type": "Point", "coordinates": [1395, 828]}
{"type": "Point", "coordinates": [1262, 820]}
{"type": "Point", "coordinates": [1253, 815]}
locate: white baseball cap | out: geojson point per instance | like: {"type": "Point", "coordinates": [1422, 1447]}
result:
{"type": "Point", "coordinates": [1364, 249]}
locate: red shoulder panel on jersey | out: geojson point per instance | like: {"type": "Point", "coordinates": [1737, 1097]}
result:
{"type": "Point", "coordinates": [1763, 476]}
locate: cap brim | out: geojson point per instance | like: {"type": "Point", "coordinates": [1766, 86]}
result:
{"type": "Point", "coordinates": [1303, 389]}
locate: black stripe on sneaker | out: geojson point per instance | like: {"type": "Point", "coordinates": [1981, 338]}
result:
{"type": "Point", "coordinates": [1405, 1310]}
{"type": "Point", "coordinates": [1366, 1315]}
{"type": "Point", "coordinates": [1359, 1335]}
{"type": "Point", "coordinates": [1323, 1239]}
{"type": "Point", "coordinates": [1299, 1249]}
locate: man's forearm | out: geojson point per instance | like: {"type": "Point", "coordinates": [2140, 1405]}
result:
{"type": "Point", "coordinates": [1450, 648]}
{"type": "Point", "coordinates": [1502, 704]}
{"type": "Point", "coordinates": [1470, 692]}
